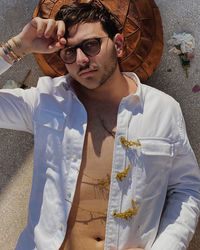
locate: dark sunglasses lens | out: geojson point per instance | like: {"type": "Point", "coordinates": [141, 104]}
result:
{"type": "Point", "coordinates": [68, 55]}
{"type": "Point", "coordinates": [91, 47]}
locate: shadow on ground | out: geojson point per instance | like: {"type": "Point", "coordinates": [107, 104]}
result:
{"type": "Point", "coordinates": [14, 148]}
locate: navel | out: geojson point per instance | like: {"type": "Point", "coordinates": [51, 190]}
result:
{"type": "Point", "coordinates": [98, 239]}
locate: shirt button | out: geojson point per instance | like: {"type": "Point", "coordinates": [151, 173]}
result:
{"type": "Point", "coordinates": [74, 156]}
{"type": "Point", "coordinates": [61, 226]}
{"type": "Point", "coordinates": [69, 193]}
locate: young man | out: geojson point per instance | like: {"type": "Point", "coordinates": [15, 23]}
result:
{"type": "Point", "coordinates": [113, 168]}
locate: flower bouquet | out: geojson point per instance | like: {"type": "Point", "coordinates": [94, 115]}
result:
{"type": "Point", "coordinates": [183, 45]}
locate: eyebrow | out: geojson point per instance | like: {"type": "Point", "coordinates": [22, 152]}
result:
{"type": "Point", "coordinates": [72, 46]}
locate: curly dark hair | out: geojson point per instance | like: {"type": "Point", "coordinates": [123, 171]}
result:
{"type": "Point", "coordinates": [87, 13]}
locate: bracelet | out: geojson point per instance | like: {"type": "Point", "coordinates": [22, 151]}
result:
{"type": "Point", "coordinates": [6, 54]}
{"type": "Point", "coordinates": [12, 53]}
{"type": "Point", "coordinates": [15, 42]}
{"type": "Point", "coordinates": [8, 51]}
{"type": "Point", "coordinates": [8, 47]}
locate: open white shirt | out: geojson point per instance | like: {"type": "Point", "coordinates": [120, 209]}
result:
{"type": "Point", "coordinates": [163, 179]}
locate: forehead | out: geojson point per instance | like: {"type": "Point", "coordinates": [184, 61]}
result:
{"type": "Point", "coordinates": [82, 31]}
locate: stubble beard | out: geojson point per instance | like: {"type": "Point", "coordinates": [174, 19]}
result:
{"type": "Point", "coordinates": [109, 68]}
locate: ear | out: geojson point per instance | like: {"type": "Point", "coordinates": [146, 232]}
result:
{"type": "Point", "coordinates": [119, 44]}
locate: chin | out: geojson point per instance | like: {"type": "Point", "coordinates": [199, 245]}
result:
{"type": "Point", "coordinates": [90, 84]}
{"type": "Point", "coordinates": [91, 87]}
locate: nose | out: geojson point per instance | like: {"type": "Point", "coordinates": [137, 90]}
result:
{"type": "Point", "coordinates": [81, 58]}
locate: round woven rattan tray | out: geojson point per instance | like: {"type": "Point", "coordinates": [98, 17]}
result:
{"type": "Point", "coordinates": [141, 26]}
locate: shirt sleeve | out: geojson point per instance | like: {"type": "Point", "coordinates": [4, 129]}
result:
{"type": "Point", "coordinates": [4, 65]}
{"type": "Point", "coordinates": [182, 207]}
{"type": "Point", "coordinates": [16, 105]}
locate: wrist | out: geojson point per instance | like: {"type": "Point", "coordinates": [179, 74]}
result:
{"type": "Point", "coordinates": [11, 51]}
{"type": "Point", "coordinates": [17, 47]}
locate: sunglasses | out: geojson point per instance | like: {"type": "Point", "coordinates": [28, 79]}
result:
{"type": "Point", "coordinates": [90, 47]}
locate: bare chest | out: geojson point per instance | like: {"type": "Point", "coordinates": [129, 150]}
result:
{"type": "Point", "coordinates": [94, 177]}
{"type": "Point", "coordinates": [87, 218]}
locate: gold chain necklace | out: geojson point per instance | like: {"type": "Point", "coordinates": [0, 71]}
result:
{"type": "Point", "coordinates": [112, 133]}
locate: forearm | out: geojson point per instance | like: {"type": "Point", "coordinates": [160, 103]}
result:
{"type": "Point", "coordinates": [182, 208]}
{"type": "Point", "coordinates": [38, 36]}
{"type": "Point", "coordinates": [12, 101]}
{"type": "Point", "coordinates": [177, 225]}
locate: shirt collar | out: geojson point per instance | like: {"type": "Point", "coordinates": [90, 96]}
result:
{"type": "Point", "coordinates": [138, 95]}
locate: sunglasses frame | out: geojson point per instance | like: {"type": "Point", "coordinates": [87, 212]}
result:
{"type": "Point", "coordinates": [80, 46]}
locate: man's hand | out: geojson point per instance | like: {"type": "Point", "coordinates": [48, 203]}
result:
{"type": "Point", "coordinates": [41, 36]}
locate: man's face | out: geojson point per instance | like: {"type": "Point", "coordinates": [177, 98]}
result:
{"type": "Point", "coordinates": [92, 71]}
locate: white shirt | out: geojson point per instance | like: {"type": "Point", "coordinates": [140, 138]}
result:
{"type": "Point", "coordinates": [163, 166]}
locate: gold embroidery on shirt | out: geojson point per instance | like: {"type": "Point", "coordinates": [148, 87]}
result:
{"type": "Point", "coordinates": [123, 174]}
{"type": "Point", "coordinates": [130, 212]}
{"type": "Point", "coordinates": [128, 143]}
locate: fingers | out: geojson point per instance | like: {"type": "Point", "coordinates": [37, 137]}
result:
{"type": "Point", "coordinates": [48, 28]}
{"type": "Point", "coordinates": [40, 25]}
{"type": "Point", "coordinates": [43, 36]}
{"type": "Point", "coordinates": [60, 29]}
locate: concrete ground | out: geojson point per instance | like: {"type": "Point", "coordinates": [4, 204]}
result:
{"type": "Point", "coordinates": [16, 148]}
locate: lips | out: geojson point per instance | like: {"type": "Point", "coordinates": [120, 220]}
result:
{"type": "Point", "coordinates": [86, 72]}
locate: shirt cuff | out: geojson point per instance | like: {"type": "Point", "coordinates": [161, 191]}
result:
{"type": "Point", "coordinates": [4, 65]}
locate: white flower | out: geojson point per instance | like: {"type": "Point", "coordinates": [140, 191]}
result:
{"type": "Point", "coordinates": [184, 40]}
{"type": "Point", "coordinates": [10, 84]}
